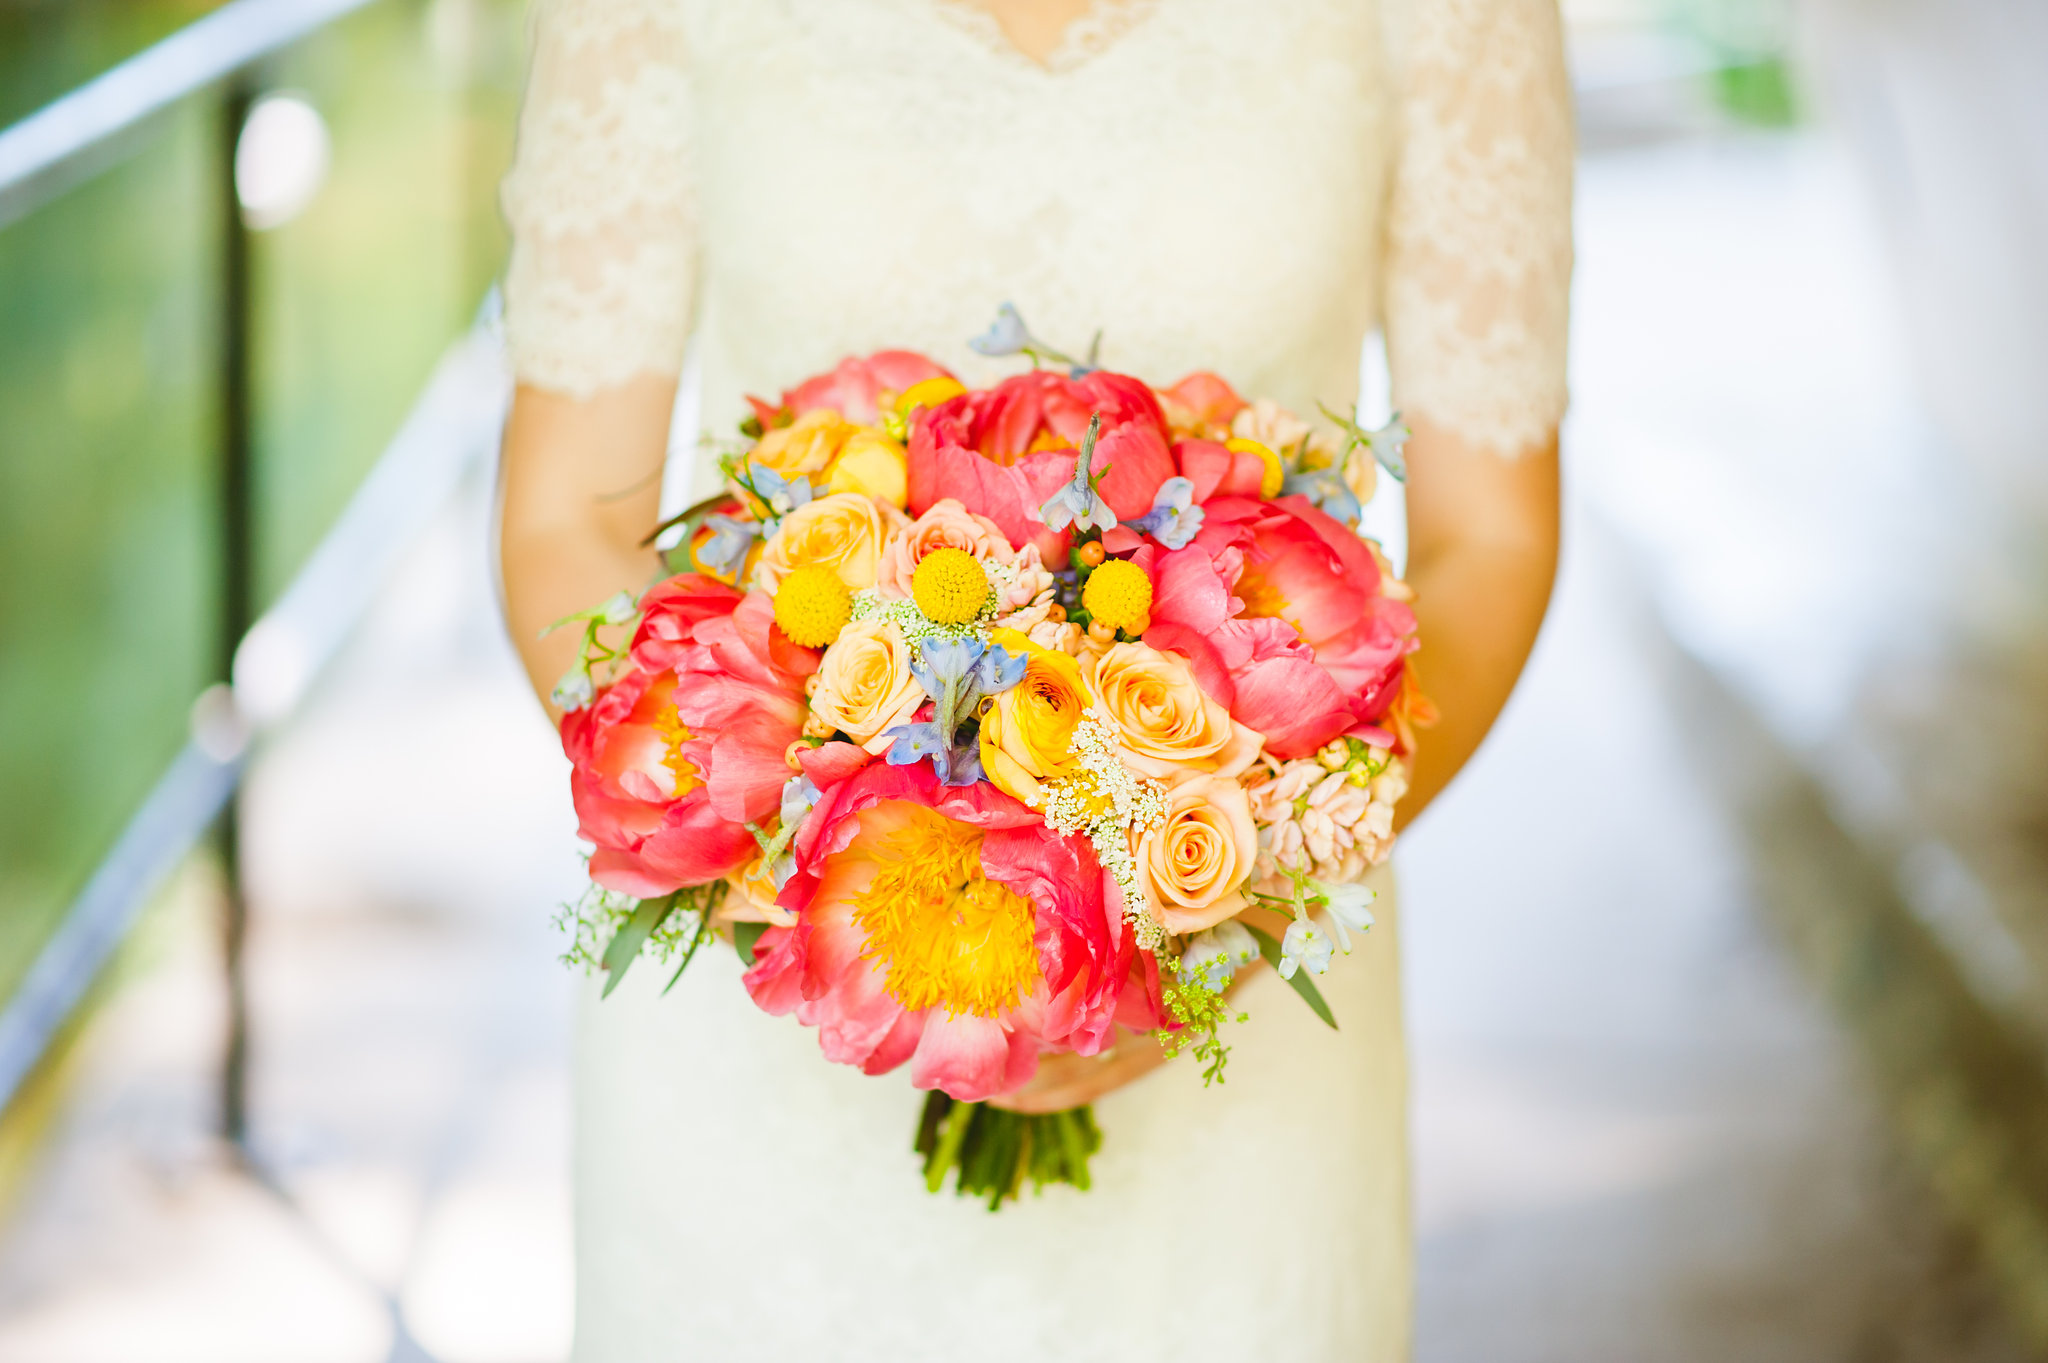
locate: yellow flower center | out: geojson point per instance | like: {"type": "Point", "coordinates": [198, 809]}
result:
{"type": "Point", "coordinates": [669, 725]}
{"type": "Point", "coordinates": [1261, 598]}
{"type": "Point", "coordinates": [950, 586]}
{"type": "Point", "coordinates": [1118, 594]}
{"type": "Point", "coordinates": [947, 935]}
{"type": "Point", "coordinates": [812, 606]}
{"type": "Point", "coordinates": [1275, 475]}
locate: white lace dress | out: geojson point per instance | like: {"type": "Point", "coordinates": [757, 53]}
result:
{"type": "Point", "coordinates": [1248, 186]}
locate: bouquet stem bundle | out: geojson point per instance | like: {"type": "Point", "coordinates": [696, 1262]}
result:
{"type": "Point", "coordinates": [995, 1149]}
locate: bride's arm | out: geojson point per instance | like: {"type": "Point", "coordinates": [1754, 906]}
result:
{"type": "Point", "coordinates": [601, 203]}
{"type": "Point", "coordinates": [580, 489]}
{"type": "Point", "coordinates": [1482, 551]}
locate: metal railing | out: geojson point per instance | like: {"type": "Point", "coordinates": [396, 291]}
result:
{"type": "Point", "coordinates": [263, 665]}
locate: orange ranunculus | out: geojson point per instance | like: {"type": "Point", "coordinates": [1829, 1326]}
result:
{"type": "Point", "coordinates": [1028, 732]}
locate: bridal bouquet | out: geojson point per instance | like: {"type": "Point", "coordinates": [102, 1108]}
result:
{"type": "Point", "coordinates": [977, 718]}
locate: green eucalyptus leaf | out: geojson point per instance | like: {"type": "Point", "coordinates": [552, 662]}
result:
{"type": "Point", "coordinates": [1269, 948]}
{"type": "Point", "coordinates": [625, 945]}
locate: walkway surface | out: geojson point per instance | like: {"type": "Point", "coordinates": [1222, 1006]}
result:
{"type": "Point", "coordinates": [1640, 1139]}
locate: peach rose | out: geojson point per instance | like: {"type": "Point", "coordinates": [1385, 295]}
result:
{"type": "Point", "coordinates": [946, 524]}
{"type": "Point", "coordinates": [1027, 732]}
{"type": "Point", "coordinates": [807, 446]}
{"type": "Point", "coordinates": [1166, 723]}
{"type": "Point", "coordinates": [1193, 865]}
{"type": "Point", "coordinates": [865, 687]}
{"type": "Point", "coordinates": [844, 532]}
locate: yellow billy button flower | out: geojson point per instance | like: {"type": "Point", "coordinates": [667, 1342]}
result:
{"type": "Point", "coordinates": [1276, 474]}
{"type": "Point", "coordinates": [812, 606]}
{"type": "Point", "coordinates": [1118, 594]}
{"type": "Point", "coordinates": [949, 586]}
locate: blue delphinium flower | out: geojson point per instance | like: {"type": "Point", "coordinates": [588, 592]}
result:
{"type": "Point", "coordinates": [799, 797]}
{"type": "Point", "coordinates": [956, 674]}
{"type": "Point", "coordinates": [1077, 503]}
{"type": "Point", "coordinates": [1007, 335]}
{"type": "Point", "coordinates": [1388, 443]}
{"type": "Point", "coordinates": [725, 553]}
{"type": "Point", "coordinates": [1174, 518]}
{"type": "Point", "coordinates": [783, 495]}
{"type": "Point", "coordinates": [1328, 490]}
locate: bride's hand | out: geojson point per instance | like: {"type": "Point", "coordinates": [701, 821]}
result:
{"type": "Point", "coordinates": [1070, 1080]}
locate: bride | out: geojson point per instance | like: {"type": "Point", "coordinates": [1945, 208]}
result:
{"type": "Point", "coordinates": [1248, 186]}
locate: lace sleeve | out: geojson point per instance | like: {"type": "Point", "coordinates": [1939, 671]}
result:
{"type": "Point", "coordinates": [1479, 251]}
{"type": "Point", "coordinates": [600, 198]}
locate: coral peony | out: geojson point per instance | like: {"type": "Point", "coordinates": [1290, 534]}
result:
{"type": "Point", "coordinates": [1278, 608]}
{"type": "Point", "coordinates": [639, 792]}
{"type": "Point", "coordinates": [854, 388]}
{"type": "Point", "coordinates": [947, 927]}
{"type": "Point", "coordinates": [1003, 451]}
{"type": "Point", "coordinates": [740, 689]}
{"type": "Point", "coordinates": [1200, 406]}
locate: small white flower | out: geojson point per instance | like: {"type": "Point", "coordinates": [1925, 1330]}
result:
{"type": "Point", "coordinates": [620, 609]}
{"type": "Point", "coordinates": [1214, 956]}
{"type": "Point", "coordinates": [1304, 945]}
{"type": "Point", "coordinates": [574, 690]}
{"type": "Point", "coordinates": [1348, 910]}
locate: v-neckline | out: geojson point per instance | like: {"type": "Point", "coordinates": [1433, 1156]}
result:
{"type": "Point", "coordinates": [1089, 35]}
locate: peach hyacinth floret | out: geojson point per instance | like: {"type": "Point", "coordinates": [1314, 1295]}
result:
{"type": "Point", "coordinates": [1316, 821]}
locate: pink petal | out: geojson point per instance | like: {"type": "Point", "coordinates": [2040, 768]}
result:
{"type": "Point", "coordinates": [965, 1056]}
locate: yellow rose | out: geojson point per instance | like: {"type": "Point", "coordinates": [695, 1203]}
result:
{"type": "Point", "coordinates": [873, 465]}
{"type": "Point", "coordinates": [865, 687]}
{"type": "Point", "coordinates": [1165, 723]}
{"type": "Point", "coordinates": [1191, 866]}
{"type": "Point", "coordinates": [807, 445]}
{"type": "Point", "coordinates": [1028, 731]}
{"type": "Point", "coordinates": [843, 532]}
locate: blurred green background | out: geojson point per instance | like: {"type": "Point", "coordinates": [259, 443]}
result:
{"type": "Point", "coordinates": [108, 376]}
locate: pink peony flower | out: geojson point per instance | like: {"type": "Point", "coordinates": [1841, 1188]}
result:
{"type": "Point", "coordinates": [1201, 406]}
{"type": "Point", "coordinates": [854, 387]}
{"type": "Point", "coordinates": [1278, 608]}
{"type": "Point", "coordinates": [1002, 451]}
{"type": "Point", "coordinates": [948, 927]}
{"type": "Point", "coordinates": [638, 770]}
{"type": "Point", "coordinates": [740, 691]}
